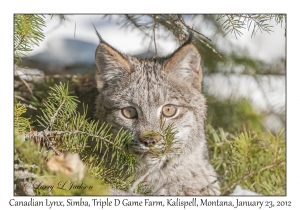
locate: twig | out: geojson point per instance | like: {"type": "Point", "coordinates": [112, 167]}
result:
{"type": "Point", "coordinates": [207, 45]}
{"type": "Point", "coordinates": [20, 42]}
{"type": "Point", "coordinates": [26, 84]}
{"type": "Point", "coordinates": [52, 119]}
{"type": "Point", "coordinates": [50, 145]}
{"type": "Point", "coordinates": [182, 21]}
{"type": "Point", "coordinates": [21, 98]}
{"type": "Point", "coordinates": [26, 105]}
{"type": "Point", "coordinates": [47, 133]}
{"type": "Point", "coordinates": [22, 166]}
{"type": "Point", "coordinates": [181, 36]}
{"type": "Point", "coordinates": [200, 40]}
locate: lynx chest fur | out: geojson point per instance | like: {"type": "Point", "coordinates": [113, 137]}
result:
{"type": "Point", "coordinates": [140, 94]}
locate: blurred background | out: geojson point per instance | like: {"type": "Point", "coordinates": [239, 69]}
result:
{"type": "Point", "coordinates": [243, 60]}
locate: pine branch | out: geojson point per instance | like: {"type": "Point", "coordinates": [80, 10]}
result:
{"type": "Point", "coordinates": [50, 145]}
{"type": "Point", "coordinates": [58, 134]}
{"type": "Point", "coordinates": [210, 47]}
{"type": "Point", "coordinates": [254, 173]}
{"type": "Point", "coordinates": [19, 43]}
{"type": "Point", "coordinates": [233, 23]}
{"type": "Point", "coordinates": [63, 134]}
{"type": "Point", "coordinates": [53, 118]}
{"type": "Point", "coordinates": [182, 21]}
{"type": "Point", "coordinates": [185, 34]}
{"type": "Point", "coordinates": [178, 27]}
{"type": "Point", "coordinates": [66, 106]}
{"type": "Point", "coordinates": [21, 124]}
{"type": "Point", "coordinates": [249, 160]}
{"type": "Point", "coordinates": [27, 33]}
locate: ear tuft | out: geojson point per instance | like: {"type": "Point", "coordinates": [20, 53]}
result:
{"type": "Point", "coordinates": [98, 34]}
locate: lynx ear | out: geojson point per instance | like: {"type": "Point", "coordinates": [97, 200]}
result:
{"type": "Point", "coordinates": [112, 66]}
{"type": "Point", "coordinates": [184, 65]}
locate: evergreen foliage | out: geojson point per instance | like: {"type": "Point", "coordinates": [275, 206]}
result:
{"type": "Point", "coordinates": [62, 135]}
{"type": "Point", "coordinates": [241, 150]}
{"type": "Point", "coordinates": [59, 108]}
{"type": "Point", "coordinates": [256, 161]}
{"type": "Point", "coordinates": [259, 22]}
{"type": "Point", "coordinates": [30, 159]}
{"type": "Point", "coordinates": [21, 124]}
{"type": "Point", "coordinates": [27, 33]}
{"type": "Point", "coordinates": [107, 157]}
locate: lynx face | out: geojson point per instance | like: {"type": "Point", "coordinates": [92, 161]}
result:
{"type": "Point", "coordinates": [139, 94]}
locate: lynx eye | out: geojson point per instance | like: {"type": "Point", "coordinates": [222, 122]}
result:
{"type": "Point", "coordinates": [169, 110]}
{"type": "Point", "coordinates": [129, 112]}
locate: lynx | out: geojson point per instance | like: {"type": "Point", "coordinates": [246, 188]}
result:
{"type": "Point", "coordinates": [137, 94]}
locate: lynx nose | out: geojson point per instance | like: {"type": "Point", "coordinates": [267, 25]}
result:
{"type": "Point", "coordinates": [150, 140]}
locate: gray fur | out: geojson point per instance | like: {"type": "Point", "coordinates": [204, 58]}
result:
{"type": "Point", "coordinates": [148, 85]}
